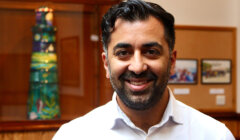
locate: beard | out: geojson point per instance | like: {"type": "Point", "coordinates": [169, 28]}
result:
{"type": "Point", "coordinates": [145, 99]}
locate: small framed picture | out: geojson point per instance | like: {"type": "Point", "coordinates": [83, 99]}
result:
{"type": "Point", "coordinates": [216, 71]}
{"type": "Point", "coordinates": [185, 72]}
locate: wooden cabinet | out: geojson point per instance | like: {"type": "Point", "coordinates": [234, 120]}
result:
{"type": "Point", "coordinates": [78, 53]}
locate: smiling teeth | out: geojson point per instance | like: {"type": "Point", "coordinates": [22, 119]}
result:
{"type": "Point", "coordinates": [138, 83]}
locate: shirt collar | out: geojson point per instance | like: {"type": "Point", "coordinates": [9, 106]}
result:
{"type": "Point", "coordinates": [118, 115]}
{"type": "Point", "coordinates": [172, 112]}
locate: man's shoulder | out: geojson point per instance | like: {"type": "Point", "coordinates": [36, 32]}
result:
{"type": "Point", "coordinates": [201, 122]}
{"type": "Point", "coordinates": [192, 114]}
{"type": "Point", "coordinates": [85, 125]}
{"type": "Point", "coordinates": [95, 116]}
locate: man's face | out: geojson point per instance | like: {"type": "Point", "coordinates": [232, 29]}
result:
{"type": "Point", "coordinates": [138, 62]}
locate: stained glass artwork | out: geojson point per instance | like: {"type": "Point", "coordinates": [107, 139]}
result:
{"type": "Point", "coordinates": [43, 100]}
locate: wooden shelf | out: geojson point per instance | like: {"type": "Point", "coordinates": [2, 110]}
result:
{"type": "Point", "coordinates": [31, 125]}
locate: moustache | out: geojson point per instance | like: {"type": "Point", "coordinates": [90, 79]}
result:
{"type": "Point", "coordinates": [145, 75]}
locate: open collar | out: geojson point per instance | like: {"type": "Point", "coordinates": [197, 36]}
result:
{"type": "Point", "coordinates": [172, 112]}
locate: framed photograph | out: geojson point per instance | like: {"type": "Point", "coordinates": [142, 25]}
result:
{"type": "Point", "coordinates": [216, 71]}
{"type": "Point", "coordinates": [185, 72]}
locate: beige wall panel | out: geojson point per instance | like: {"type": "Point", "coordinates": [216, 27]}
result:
{"type": "Point", "coordinates": [195, 42]}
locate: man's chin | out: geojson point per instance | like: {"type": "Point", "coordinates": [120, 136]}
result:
{"type": "Point", "coordinates": [138, 105]}
{"type": "Point", "coordinates": [139, 97]}
{"type": "Point", "coordinates": [137, 101]}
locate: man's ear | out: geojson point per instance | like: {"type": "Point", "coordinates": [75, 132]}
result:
{"type": "Point", "coordinates": [105, 64]}
{"type": "Point", "coordinates": [173, 61]}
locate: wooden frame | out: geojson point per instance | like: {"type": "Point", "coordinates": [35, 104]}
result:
{"type": "Point", "coordinates": [70, 52]}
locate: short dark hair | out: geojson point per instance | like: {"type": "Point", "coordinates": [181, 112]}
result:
{"type": "Point", "coordinates": [133, 10]}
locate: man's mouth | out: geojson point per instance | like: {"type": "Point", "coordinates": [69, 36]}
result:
{"type": "Point", "coordinates": [138, 82]}
{"type": "Point", "coordinates": [138, 85]}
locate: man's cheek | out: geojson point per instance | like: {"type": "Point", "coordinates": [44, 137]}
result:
{"type": "Point", "coordinates": [116, 72]}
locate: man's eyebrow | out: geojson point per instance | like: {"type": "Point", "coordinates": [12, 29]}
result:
{"type": "Point", "coordinates": [152, 44]}
{"type": "Point", "coordinates": [121, 45]}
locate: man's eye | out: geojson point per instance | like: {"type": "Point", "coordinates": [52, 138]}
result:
{"type": "Point", "coordinates": [152, 52]}
{"type": "Point", "coordinates": [122, 53]}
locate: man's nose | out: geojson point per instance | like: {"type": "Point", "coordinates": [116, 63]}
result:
{"type": "Point", "coordinates": [137, 64]}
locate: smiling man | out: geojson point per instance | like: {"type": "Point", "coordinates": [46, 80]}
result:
{"type": "Point", "coordinates": [138, 39]}
{"type": "Point", "coordinates": [138, 61]}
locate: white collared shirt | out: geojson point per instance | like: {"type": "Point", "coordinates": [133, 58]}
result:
{"type": "Point", "coordinates": [179, 122]}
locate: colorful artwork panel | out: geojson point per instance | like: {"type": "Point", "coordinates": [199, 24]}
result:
{"type": "Point", "coordinates": [185, 72]}
{"type": "Point", "coordinates": [214, 71]}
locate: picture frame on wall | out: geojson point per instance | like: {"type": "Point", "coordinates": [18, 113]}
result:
{"type": "Point", "coordinates": [185, 72]}
{"type": "Point", "coordinates": [216, 71]}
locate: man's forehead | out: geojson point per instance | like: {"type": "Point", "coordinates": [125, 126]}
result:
{"type": "Point", "coordinates": [124, 29]}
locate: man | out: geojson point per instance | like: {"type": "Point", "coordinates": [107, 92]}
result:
{"type": "Point", "coordinates": [139, 56]}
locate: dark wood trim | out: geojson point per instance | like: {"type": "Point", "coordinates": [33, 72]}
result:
{"type": "Point", "coordinates": [92, 2]}
{"type": "Point", "coordinates": [212, 28]}
{"type": "Point", "coordinates": [62, 7]}
{"type": "Point", "coordinates": [8, 126]}
{"type": "Point", "coordinates": [224, 115]}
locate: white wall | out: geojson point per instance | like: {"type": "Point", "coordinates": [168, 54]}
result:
{"type": "Point", "coordinates": [208, 13]}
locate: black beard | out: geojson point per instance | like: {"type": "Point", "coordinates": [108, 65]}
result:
{"type": "Point", "coordinates": [156, 91]}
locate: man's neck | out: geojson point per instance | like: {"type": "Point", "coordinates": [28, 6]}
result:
{"type": "Point", "coordinates": [146, 118]}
